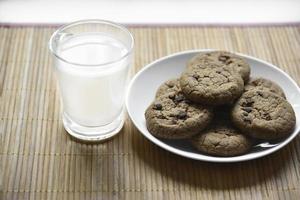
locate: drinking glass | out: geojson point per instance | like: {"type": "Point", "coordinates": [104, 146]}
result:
{"type": "Point", "coordinates": [92, 61]}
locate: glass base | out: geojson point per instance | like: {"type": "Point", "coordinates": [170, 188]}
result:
{"type": "Point", "coordinates": [94, 133]}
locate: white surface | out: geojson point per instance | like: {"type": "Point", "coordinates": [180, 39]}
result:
{"type": "Point", "coordinates": [145, 83]}
{"type": "Point", "coordinates": [151, 11]}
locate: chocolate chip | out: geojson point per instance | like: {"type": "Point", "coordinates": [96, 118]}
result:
{"type": "Point", "coordinates": [223, 58]}
{"type": "Point", "coordinates": [247, 103]}
{"type": "Point", "coordinates": [247, 109]}
{"type": "Point", "coordinates": [157, 106]}
{"type": "Point", "coordinates": [229, 62]}
{"type": "Point", "coordinates": [179, 98]}
{"type": "Point", "coordinates": [218, 71]}
{"type": "Point", "coordinates": [181, 115]}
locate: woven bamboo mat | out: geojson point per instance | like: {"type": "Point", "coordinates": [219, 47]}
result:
{"type": "Point", "coordinates": [40, 161]}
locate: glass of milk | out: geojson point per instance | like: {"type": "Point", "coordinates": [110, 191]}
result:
{"type": "Point", "coordinates": [92, 59]}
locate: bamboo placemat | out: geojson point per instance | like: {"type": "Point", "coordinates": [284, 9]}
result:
{"type": "Point", "coordinates": [40, 161]}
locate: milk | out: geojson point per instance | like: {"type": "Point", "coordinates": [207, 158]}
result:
{"type": "Point", "coordinates": [92, 92]}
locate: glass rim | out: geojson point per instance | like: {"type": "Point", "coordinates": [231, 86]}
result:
{"type": "Point", "coordinates": [91, 21]}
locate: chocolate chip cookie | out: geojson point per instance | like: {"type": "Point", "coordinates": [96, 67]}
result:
{"type": "Point", "coordinates": [222, 140]}
{"type": "Point", "coordinates": [263, 115]}
{"type": "Point", "coordinates": [170, 86]}
{"type": "Point", "coordinates": [175, 117]}
{"type": "Point", "coordinates": [265, 84]}
{"type": "Point", "coordinates": [224, 58]}
{"type": "Point", "coordinates": [211, 84]}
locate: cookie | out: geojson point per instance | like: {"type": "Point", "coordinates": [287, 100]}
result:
{"type": "Point", "coordinates": [225, 58]}
{"type": "Point", "coordinates": [175, 117]}
{"type": "Point", "coordinates": [211, 84]}
{"type": "Point", "coordinates": [222, 140]}
{"type": "Point", "coordinates": [263, 115]}
{"type": "Point", "coordinates": [265, 84]}
{"type": "Point", "coordinates": [170, 86]}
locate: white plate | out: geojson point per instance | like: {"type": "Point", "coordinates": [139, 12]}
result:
{"type": "Point", "coordinates": [143, 86]}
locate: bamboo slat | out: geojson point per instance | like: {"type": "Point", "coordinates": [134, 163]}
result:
{"type": "Point", "coordinates": [40, 161]}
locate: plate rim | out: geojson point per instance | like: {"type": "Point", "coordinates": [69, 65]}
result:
{"type": "Point", "coordinates": [203, 157]}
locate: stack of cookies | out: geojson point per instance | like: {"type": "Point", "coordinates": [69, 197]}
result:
{"type": "Point", "coordinates": [218, 108]}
